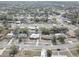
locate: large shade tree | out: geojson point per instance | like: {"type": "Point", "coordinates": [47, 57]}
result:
{"type": "Point", "coordinates": [45, 31]}
{"type": "Point", "coordinates": [61, 39]}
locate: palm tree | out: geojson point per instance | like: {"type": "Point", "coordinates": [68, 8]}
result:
{"type": "Point", "coordinates": [46, 15]}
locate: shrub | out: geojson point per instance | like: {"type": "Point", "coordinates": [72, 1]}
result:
{"type": "Point", "coordinates": [61, 39]}
{"type": "Point", "coordinates": [54, 40]}
{"type": "Point", "coordinates": [49, 53]}
{"type": "Point", "coordinates": [13, 50]}
{"type": "Point", "coordinates": [59, 30]}
{"type": "Point", "coordinates": [45, 31]}
{"type": "Point", "coordinates": [23, 30]}
{"type": "Point", "coordinates": [77, 33]}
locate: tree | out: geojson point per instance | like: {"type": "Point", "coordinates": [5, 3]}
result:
{"type": "Point", "coordinates": [58, 29]}
{"type": "Point", "coordinates": [16, 32]}
{"type": "Point", "coordinates": [54, 30]}
{"type": "Point", "coordinates": [35, 14]}
{"type": "Point", "coordinates": [77, 20]}
{"type": "Point", "coordinates": [63, 29]}
{"type": "Point", "coordinates": [54, 20]}
{"type": "Point", "coordinates": [49, 53]}
{"type": "Point", "coordinates": [45, 31]}
{"type": "Point", "coordinates": [23, 30]}
{"type": "Point", "coordinates": [36, 30]}
{"type": "Point", "coordinates": [61, 39]}
{"type": "Point", "coordinates": [77, 33]}
{"type": "Point", "coordinates": [54, 40]}
{"type": "Point", "coordinates": [5, 23]}
{"type": "Point", "coordinates": [1, 29]}
{"type": "Point", "coordinates": [20, 40]}
{"type": "Point", "coordinates": [57, 13]}
{"type": "Point", "coordinates": [13, 50]}
{"type": "Point", "coordinates": [77, 46]}
{"type": "Point", "coordinates": [46, 15]}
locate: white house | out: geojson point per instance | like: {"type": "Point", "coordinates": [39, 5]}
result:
{"type": "Point", "coordinates": [34, 36]}
{"type": "Point", "coordinates": [10, 34]}
{"type": "Point", "coordinates": [33, 27]}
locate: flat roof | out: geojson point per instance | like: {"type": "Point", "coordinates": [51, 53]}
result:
{"type": "Point", "coordinates": [34, 36]}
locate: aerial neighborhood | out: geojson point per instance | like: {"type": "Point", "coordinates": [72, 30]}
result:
{"type": "Point", "coordinates": [39, 29]}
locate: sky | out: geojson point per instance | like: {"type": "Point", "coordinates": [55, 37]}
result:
{"type": "Point", "coordinates": [39, 0]}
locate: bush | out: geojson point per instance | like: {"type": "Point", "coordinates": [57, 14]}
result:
{"type": "Point", "coordinates": [13, 50]}
{"type": "Point", "coordinates": [61, 39]}
{"type": "Point", "coordinates": [77, 33]}
{"type": "Point", "coordinates": [45, 31]}
{"type": "Point", "coordinates": [23, 30]}
{"type": "Point", "coordinates": [63, 29]}
{"type": "Point", "coordinates": [54, 30]}
{"type": "Point", "coordinates": [20, 40]}
{"type": "Point", "coordinates": [77, 48]}
{"type": "Point", "coordinates": [59, 30]}
{"type": "Point", "coordinates": [54, 40]}
{"type": "Point", "coordinates": [49, 53]}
